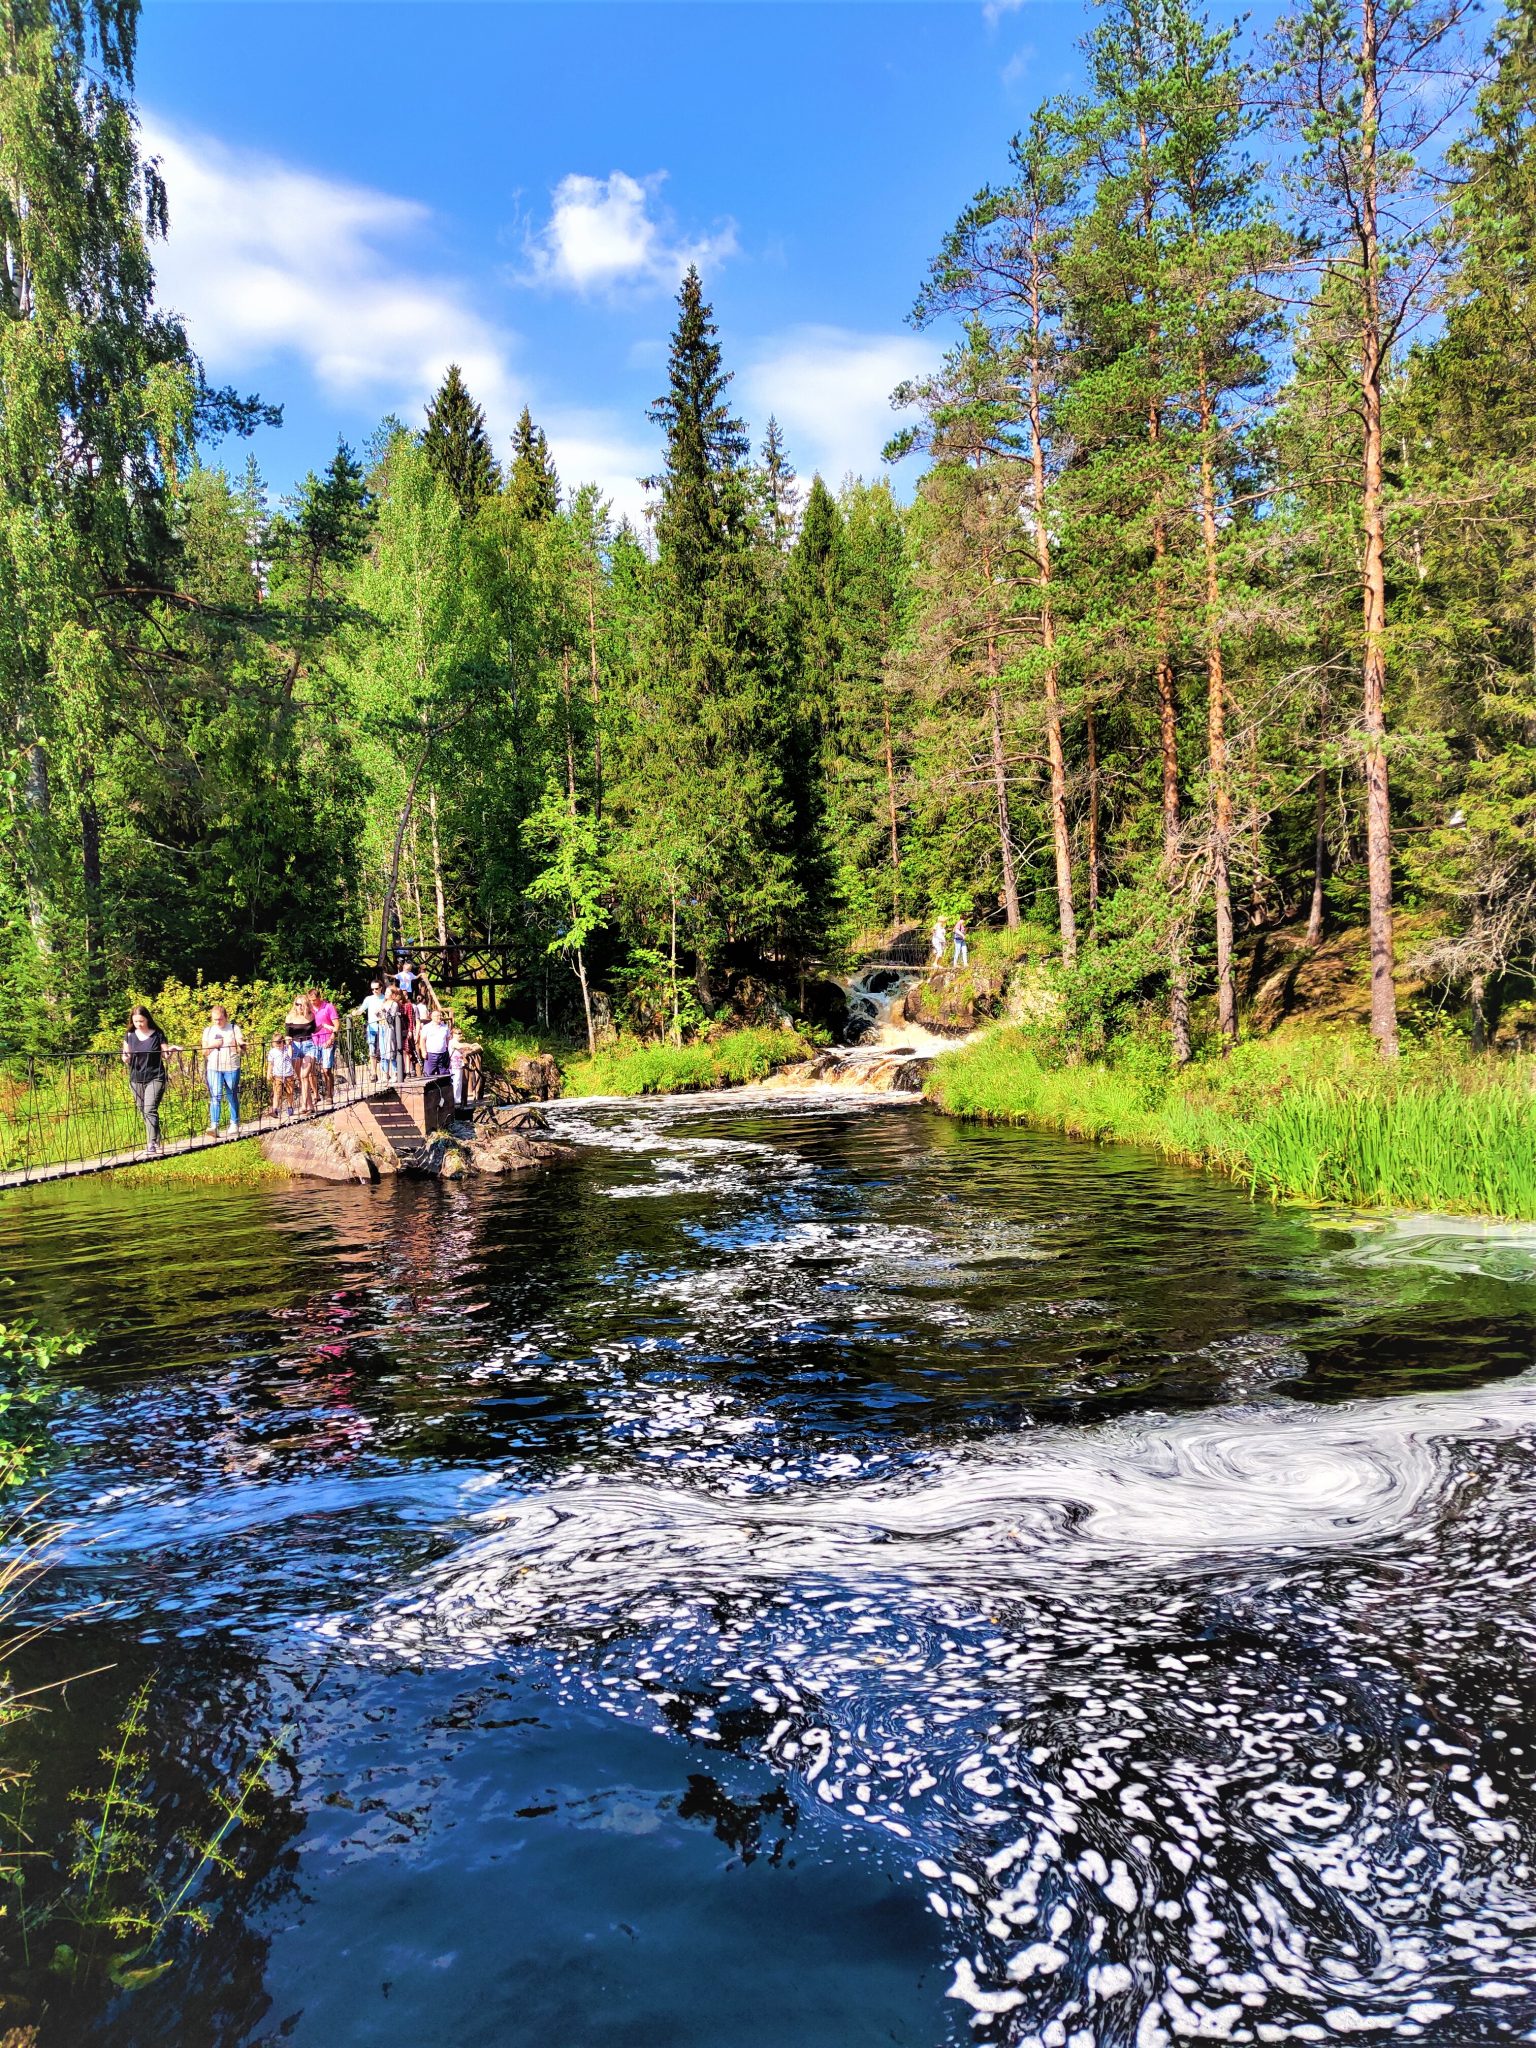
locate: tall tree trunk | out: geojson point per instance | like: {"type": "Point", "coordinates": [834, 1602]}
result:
{"type": "Point", "coordinates": [414, 881]}
{"type": "Point", "coordinates": [570, 736]}
{"type": "Point", "coordinates": [597, 698]}
{"type": "Point", "coordinates": [39, 802]}
{"type": "Point", "coordinates": [677, 1011]}
{"type": "Point", "coordinates": [1319, 834]}
{"type": "Point", "coordinates": [999, 756]}
{"type": "Point", "coordinates": [1378, 802]}
{"type": "Point", "coordinates": [1216, 729]}
{"type": "Point", "coordinates": [1093, 819]}
{"type": "Point", "coordinates": [90, 877]}
{"type": "Point", "coordinates": [1168, 741]}
{"type": "Point", "coordinates": [890, 802]}
{"type": "Point", "coordinates": [586, 993]}
{"type": "Point", "coordinates": [439, 900]}
{"type": "Point", "coordinates": [1060, 841]}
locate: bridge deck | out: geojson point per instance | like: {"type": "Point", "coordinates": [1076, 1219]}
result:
{"type": "Point", "coordinates": [204, 1141]}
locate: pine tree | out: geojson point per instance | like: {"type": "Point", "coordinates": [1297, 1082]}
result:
{"type": "Point", "coordinates": [457, 443]}
{"type": "Point", "coordinates": [532, 484]}
{"type": "Point", "coordinates": [702, 506]}
{"type": "Point", "coordinates": [1367, 89]}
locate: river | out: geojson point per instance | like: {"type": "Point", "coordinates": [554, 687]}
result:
{"type": "Point", "coordinates": [807, 1574]}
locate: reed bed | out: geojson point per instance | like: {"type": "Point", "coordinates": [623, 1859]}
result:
{"type": "Point", "coordinates": [1319, 1120]}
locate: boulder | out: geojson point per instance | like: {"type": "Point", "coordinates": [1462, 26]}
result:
{"type": "Point", "coordinates": [531, 1077]}
{"type": "Point", "coordinates": [511, 1140]}
{"type": "Point", "coordinates": [320, 1151]}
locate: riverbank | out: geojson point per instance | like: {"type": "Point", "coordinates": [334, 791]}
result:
{"type": "Point", "coordinates": [639, 1067]}
{"type": "Point", "coordinates": [1310, 1116]}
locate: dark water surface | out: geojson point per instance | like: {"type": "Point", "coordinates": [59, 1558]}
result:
{"type": "Point", "coordinates": [806, 1573]}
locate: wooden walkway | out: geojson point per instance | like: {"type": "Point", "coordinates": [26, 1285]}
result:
{"type": "Point", "coordinates": [176, 1148]}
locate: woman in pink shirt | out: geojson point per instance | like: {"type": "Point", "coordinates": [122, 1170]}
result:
{"type": "Point", "coordinates": [327, 1023]}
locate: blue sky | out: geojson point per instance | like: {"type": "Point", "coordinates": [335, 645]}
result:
{"type": "Point", "coordinates": [361, 193]}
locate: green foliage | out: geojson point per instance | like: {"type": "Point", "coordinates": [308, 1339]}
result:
{"type": "Point", "coordinates": [29, 1360]}
{"type": "Point", "coordinates": [731, 1060]}
{"type": "Point", "coordinates": [1313, 1117]}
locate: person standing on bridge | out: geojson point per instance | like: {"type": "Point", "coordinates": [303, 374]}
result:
{"type": "Point", "coordinates": [962, 948]}
{"type": "Point", "coordinates": [327, 1023]}
{"type": "Point", "coordinates": [223, 1049]}
{"type": "Point", "coordinates": [144, 1050]}
{"type": "Point", "coordinates": [370, 1009]}
{"type": "Point", "coordinates": [392, 1037]}
{"type": "Point", "coordinates": [300, 1027]}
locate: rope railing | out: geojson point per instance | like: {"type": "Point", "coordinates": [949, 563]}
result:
{"type": "Point", "coordinates": [72, 1113]}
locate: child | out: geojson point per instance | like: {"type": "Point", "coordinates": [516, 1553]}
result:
{"type": "Point", "coordinates": [280, 1074]}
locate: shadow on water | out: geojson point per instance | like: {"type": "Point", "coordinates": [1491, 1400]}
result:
{"type": "Point", "coordinates": [807, 1571]}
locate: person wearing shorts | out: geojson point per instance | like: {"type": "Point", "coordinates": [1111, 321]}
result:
{"type": "Point", "coordinates": [300, 1027]}
{"type": "Point", "coordinates": [327, 1023]}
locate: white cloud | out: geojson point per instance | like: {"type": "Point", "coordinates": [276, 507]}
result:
{"type": "Point", "coordinates": [265, 260]}
{"type": "Point", "coordinates": [604, 233]}
{"type": "Point", "coordinates": [994, 10]}
{"type": "Point", "coordinates": [599, 447]}
{"type": "Point", "coordinates": [830, 389]}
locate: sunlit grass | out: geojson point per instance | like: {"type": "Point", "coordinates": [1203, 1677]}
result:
{"type": "Point", "coordinates": [1322, 1120]}
{"type": "Point", "coordinates": [634, 1068]}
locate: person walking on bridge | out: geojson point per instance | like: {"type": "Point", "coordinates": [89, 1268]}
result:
{"type": "Point", "coordinates": [327, 1023]}
{"type": "Point", "coordinates": [144, 1049]}
{"type": "Point", "coordinates": [223, 1049]}
{"type": "Point", "coordinates": [300, 1027]}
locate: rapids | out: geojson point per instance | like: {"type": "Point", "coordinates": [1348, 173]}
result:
{"type": "Point", "coordinates": [811, 1572]}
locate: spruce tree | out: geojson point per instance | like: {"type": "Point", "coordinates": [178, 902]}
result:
{"type": "Point", "coordinates": [780, 488]}
{"type": "Point", "coordinates": [457, 444]}
{"type": "Point", "coordinates": [702, 506]}
{"type": "Point", "coordinates": [532, 484]}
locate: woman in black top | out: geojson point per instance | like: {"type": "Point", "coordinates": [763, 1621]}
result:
{"type": "Point", "coordinates": [300, 1027]}
{"type": "Point", "coordinates": [144, 1050]}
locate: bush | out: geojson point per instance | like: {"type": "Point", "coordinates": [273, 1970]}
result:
{"type": "Point", "coordinates": [633, 1067]}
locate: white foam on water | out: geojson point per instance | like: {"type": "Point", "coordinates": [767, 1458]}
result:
{"type": "Point", "coordinates": [1171, 1721]}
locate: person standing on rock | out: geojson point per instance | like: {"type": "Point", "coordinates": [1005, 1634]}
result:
{"type": "Point", "coordinates": [463, 1059]}
{"type": "Point", "coordinates": [962, 948]}
{"type": "Point", "coordinates": [939, 940]}
{"type": "Point", "coordinates": [144, 1050]}
{"type": "Point", "coordinates": [434, 1044]}
{"type": "Point", "coordinates": [223, 1049]}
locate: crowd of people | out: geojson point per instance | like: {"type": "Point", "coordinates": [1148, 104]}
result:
{"type": "Point", "coordinates": [409, 1033]}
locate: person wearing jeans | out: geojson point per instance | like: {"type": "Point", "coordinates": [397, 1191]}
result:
{"type": "Point", "coordinates": [144, 1050]}
{"type": "Point", "coordinates": [223, 1046]}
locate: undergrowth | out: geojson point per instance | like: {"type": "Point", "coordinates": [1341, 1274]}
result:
{"type": "Point", "coordinates": [1316, 1117]}
{"type": "Point", "coordinates": [632, 1067]}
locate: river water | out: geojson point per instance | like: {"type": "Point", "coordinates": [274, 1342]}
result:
{"type": "Point", "coordinates": [808, 1572]}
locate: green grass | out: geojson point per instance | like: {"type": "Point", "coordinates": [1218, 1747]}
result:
{"type": "Point", "coordinates": [634, 1068]}
{"type": "Point", "coordinates": [239, 1165]}
{"type": "Point", "coordinates": [1315, 1118]}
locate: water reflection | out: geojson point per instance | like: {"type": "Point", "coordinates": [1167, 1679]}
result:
{"type": "Point", "coordinates": [1042, 1593]}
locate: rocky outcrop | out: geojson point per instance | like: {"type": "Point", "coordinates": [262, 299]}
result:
{"type": "Point", "coordinates": [530, 1077]}
{"type": "Point", "coordinates": [512, 1140]}
{"type": "Point", "coordinates": [954, 1001]}
{"type": "Point", "coordinates": [323, 1150]}
{"type": "Point", "coordinates": [899, 1070]}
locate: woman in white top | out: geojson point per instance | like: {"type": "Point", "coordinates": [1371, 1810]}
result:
{"type": "Point", "coordinates": [939, 937]}
{"type": "Point", "coordinates": [223, 1048]}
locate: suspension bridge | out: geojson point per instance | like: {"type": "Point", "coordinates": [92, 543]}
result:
{"type": "Point", "coordinates": [67, 1116]}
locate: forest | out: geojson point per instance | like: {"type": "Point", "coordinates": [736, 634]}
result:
{"type": "Point", "coordinates": [1197, 598]}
